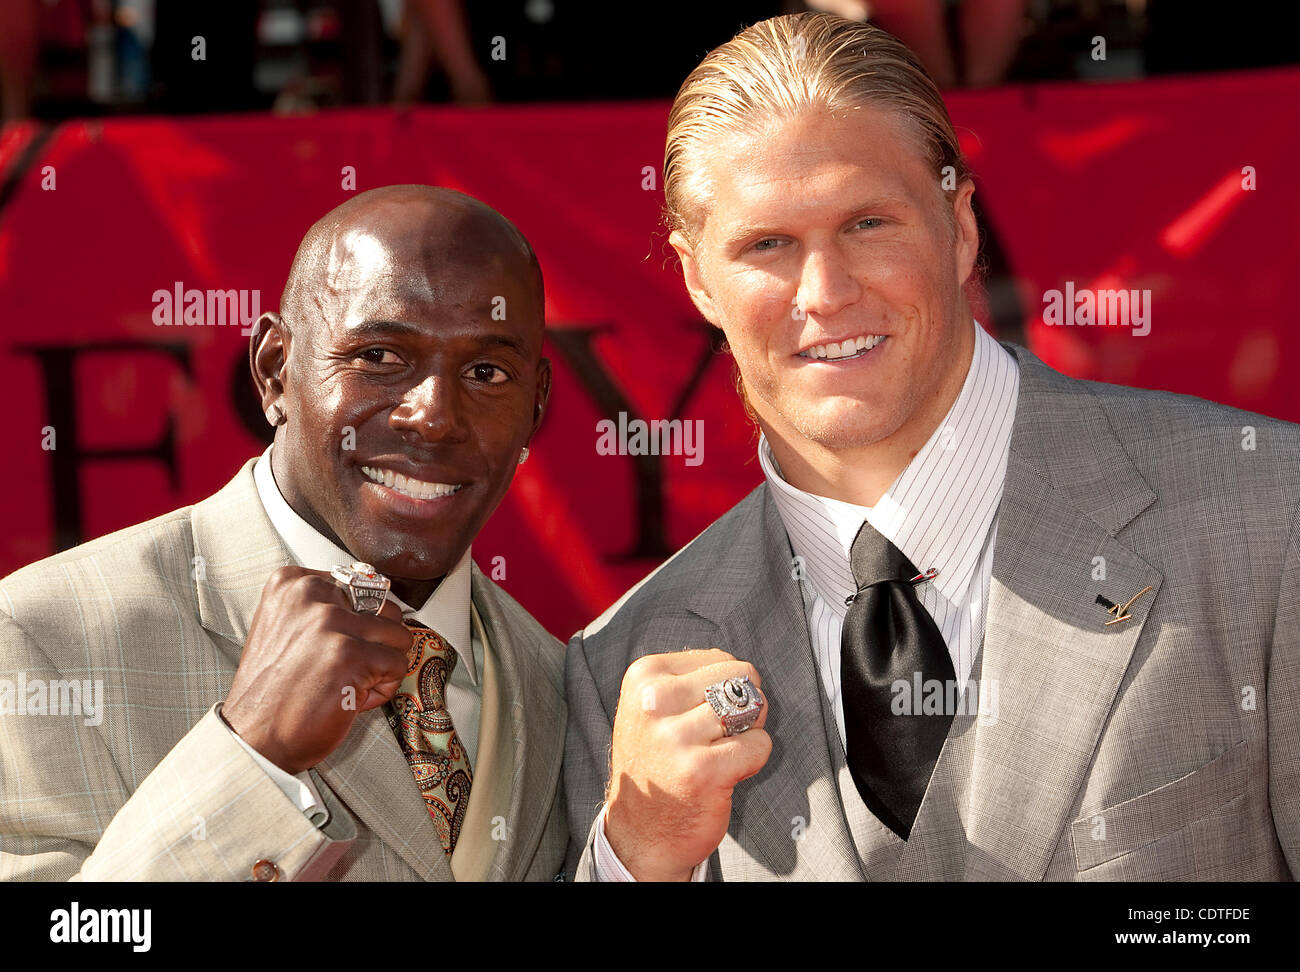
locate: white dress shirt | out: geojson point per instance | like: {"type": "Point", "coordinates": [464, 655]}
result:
{"type": "Point", "coordinates": [446, 611]}
{"type": "Point", "coordinates": [940, 512]}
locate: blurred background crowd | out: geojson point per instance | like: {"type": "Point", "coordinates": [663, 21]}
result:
{"type": "Point", "coordinates": [78, 58]}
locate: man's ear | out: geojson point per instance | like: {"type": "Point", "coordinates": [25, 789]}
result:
{"type": "Point", "coordinates": [543, 395]}
{"type": "Point", "coordinates": [967, 230]}
{"type": "Point", "coordinates": [267, 350]}
{"type": "Point", "coordinates": [695, 285]}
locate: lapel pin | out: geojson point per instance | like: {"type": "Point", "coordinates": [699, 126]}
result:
{"type": "Point", "coordinates": [1121, 611]}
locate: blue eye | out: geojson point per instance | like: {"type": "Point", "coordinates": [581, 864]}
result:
{"type": "Point", "coordinates": [870, 219]}
{"type": "Point", "coordinates": [761, 248]}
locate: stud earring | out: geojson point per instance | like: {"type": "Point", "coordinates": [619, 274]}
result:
{"type": "Point", "coordinates": [523, 456]}
{"type": "Point", "coordinates": [275, 415]}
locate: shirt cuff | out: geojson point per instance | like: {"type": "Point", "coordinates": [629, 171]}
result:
{"type": "Point", "coordinates": [610, 868]}
{"type": "Point", "coordinates": [300, 790]}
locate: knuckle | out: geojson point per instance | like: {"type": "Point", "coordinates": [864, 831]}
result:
{"type": "Point", "coordinates": [320, 585]}
{"type": "Point", "coordinates": [638, 670]}
{"type": "Point", "coordinates": [760, 743]}
{"type": "Point", "coordinates": [395, 663]}
{"type": "Point", "coordinates": [697, 775]}
{"type": "Point", "coordinates": [333, 617]}
{"type": "Point", "coordinates": [282, 577]}
{"type": "Point", "coordinates": [340, 650]}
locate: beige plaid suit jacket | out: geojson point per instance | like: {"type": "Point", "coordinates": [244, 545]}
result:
{"type": "Point", "coordinates": [160, 790]}
{"type": "Point", "coordinates": [1166, 747]}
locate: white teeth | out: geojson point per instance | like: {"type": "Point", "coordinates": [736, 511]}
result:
{"type": "Point", "coordinates": [844, 349]}
{"type": "Point", "coordinates": [407, 486]}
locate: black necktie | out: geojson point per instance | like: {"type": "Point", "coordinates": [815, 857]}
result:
{"type": "Point", "coordinates": [889, 636]}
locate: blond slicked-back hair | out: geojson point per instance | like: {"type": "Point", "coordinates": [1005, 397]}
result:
{"type": "Point", "coordinates": [781, 67]}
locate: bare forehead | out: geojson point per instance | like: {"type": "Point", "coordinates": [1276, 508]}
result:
{"type": "Point", "coordinates": [793, 162]}
{"type": "Point", "coordinates": [407, 244]}
{"type": "Point", "coordinates": [866, 135]}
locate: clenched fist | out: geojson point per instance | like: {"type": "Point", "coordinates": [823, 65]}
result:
{"type": "Point", "coordinates": [672, 769]}
{"type": "Point", "coordinates": [310, 664]}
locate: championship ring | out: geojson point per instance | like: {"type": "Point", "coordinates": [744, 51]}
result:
{"type": "Point", "coordinates": [365, 585]}
{"type": "Point", "coordinates": [737, 703]}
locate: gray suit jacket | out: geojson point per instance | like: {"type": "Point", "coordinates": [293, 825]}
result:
{"type": "Point", "coordinates": [1166, 747]}
{"type": "Point", "coordinates": [161, 790]}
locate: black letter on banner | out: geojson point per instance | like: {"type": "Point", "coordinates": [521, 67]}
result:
{"type": "Point", "coordinates": [58, 365]}
{"type": "Point", "coordinates": [574, 346]}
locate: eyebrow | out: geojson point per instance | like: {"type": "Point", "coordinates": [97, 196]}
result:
{"type": "Point", "coordinates": [366, 330]}
{"type": "Point", "coordinates": [376, 329]}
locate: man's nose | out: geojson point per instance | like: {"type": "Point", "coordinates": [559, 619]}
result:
{"type": "Point", "coordinates": [826, 283]}
{"type": "Point", "coordinates": [433, 410]}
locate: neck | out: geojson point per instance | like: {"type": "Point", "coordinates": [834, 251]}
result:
{"type": "Point", "coordinates": [415, 592]}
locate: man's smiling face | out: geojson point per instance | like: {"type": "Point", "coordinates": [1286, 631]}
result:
{"type": "Point", "coordinates": [828, 228]}
{"type": "Point", "coordinates": [407, 404]}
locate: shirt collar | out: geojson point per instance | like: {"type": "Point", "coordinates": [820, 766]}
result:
{"type": "Point", "coordinates": [447, 610]}
{"type": "Point", "coordinates": [939, 509]}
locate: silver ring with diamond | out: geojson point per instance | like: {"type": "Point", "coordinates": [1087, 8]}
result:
{"type": "Point", "coordinates": [737, 704]}
{"type": "Point", "coordinates": [366, 587]}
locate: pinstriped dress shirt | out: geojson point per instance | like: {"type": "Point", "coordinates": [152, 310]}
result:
{"type": "Point", "coordinates": [941, 512]}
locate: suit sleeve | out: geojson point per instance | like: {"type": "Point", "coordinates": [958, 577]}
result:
{"type": "Point", "coordinates": [586, 758]}
{"type": "Point", "coordinates": [206, 812]}
{"type": "Point", "coordinates": [1283, 693]}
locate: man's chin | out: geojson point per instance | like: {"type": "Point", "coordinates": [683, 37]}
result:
{"type": "Point", "coordinates": [416, 568]}
{"type": "Point", "coordinates": [427, 562]}
{"type": "Point", "coordinates": [841, 429]}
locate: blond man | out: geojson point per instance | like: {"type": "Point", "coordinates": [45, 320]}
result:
{"type": "Point", "coordinates": [981, 621]}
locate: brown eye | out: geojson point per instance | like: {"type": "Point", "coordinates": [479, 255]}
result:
{"type": "Point", "coordinates": [489, 374]}
{"type": "Point", "coordinates": [379, 356]}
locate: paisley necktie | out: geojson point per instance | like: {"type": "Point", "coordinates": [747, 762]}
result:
{"type": "Point", "coordinates": [426, 735]}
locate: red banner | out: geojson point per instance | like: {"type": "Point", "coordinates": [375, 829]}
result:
{"type": "Point", "coordinates": [1180, 189]}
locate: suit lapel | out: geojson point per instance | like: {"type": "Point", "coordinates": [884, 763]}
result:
{"type": "Point", "coordinates": [788, 817]}
{"type": "Point", "coordinates": [1070, 487]}
{"type": "Point", "coordinates": [236, 550]}
{"type": "Point", "coordinates": [370, 775]}
{"type": "Point", "coordinates": [533, 709]}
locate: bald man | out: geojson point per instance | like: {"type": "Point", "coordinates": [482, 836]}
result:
{"type": "Point", "coordinates": [305, 676]}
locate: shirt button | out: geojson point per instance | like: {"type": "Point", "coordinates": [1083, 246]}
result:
{"type": "Point", "coordinates": [265, 870]}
